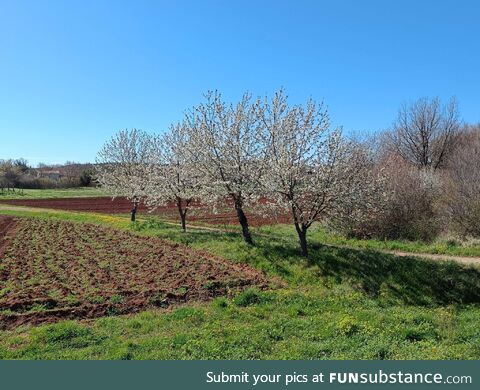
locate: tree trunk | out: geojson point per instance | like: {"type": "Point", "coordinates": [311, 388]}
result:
{"type": "Point", "coordinates": [134, 211]}
{"type": "Point", "coordinates": [184, 224]}
{"type": "Point", "coordinates": [182, 213]}
{"type": "Point", "coordinates": [302, 238]}
{"type": "Point", "coordinates": [242, 218]}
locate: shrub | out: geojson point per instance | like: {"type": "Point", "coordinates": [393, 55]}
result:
{"type": "Point", "coordinates": [463, 201]}
{"type": "Point", "coordinates": [410, 208]}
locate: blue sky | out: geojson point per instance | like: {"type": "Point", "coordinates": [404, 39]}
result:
{"type": "Point", "coordinates": [74, 72]}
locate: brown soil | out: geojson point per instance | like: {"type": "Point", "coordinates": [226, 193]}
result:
{"type": "Point", "coordinates": [7, 225]}
{"type": "Point", "coordinates": [198, 213]}
{"type": "Point", "coordinates": [55, 270]}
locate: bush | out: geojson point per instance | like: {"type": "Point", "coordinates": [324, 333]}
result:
{"type": "Point", "coordinates": [463, 192]}
{"type": "Point", "coordinates": [410, 208]}
{"type": "Point", "coordinates": [86, 178]}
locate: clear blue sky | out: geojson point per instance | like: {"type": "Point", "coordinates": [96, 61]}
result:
{"type": "Point", "coordinates": [74, 72]}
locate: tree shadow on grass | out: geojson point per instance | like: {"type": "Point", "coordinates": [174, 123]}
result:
{"type": "Point", "coordinates": [408, 280]}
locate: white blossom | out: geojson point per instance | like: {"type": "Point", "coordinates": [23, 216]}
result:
{"type": "Point", "coordinates": [226, 148]}
{"type": "Point", "coordinates": [122, 165]}
{"type": "Point", "coordinates": [173, 177]}
{"type": "Point", "coordinates": [313, 172]}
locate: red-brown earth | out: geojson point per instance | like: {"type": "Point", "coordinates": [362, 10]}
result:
{"type": "Point", "coordinates": [199, 213]}
{"type": "Point", "coordinates": [52, 270]}
{"type": "Point", "coordinates": [7, 225]}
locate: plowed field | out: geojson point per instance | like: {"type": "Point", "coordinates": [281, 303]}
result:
{"type": "Point", "coordinates": [6, 227]}
{"type": "Point", "coordinates": [52, 270]}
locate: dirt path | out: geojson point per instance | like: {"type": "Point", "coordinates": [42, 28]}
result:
{"type": "Point", "coordinates": [459, 259]}
{"type": "Point", "coordinates": [431, 256]}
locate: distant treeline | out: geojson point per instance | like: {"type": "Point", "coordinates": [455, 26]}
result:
{"type": "Point", "coordinates": [17, 174]}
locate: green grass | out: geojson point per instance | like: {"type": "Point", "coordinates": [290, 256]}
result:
{"type": "Point", "coordinates": [334, 323]}
{"type": "Point", "coordinates": [340, 304]}
{"type": "Point", "coordinates": [78, 192]}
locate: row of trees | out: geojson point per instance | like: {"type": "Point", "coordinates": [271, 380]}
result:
{"type": "Point", "coordinates": [270, 157]}
{"type": "Point", "coordinates": [263, 155]}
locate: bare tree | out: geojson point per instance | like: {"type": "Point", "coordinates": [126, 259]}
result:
{"type": "Point", "coordinates": [227, 150]}
{"type": "Point", "coordinates": [71, 172]}
{"type": "Point", "coordinates": [463, 193]}
{"type": "Point", "coordinates": [313, 172]}
{"type": "Point", "coordinates": [122, 166]}
{"type": "Point", "coordinates": [11, 174]}
{"type": "Point", "coordinates": [425, 132]}
{"type": "Point", "coordinates": [173, 176]}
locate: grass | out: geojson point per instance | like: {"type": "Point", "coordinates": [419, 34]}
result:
{"type": "Point", "coordinates": [316, 236]}
{"type": "Point", "coordinates": [330, 323]}
{"type": "Point", "coordinates": [341, 304]}
{"type": "Point", "coordinates": [55, 193]}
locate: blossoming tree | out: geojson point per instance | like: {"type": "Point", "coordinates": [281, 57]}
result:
{"type": "Point", "coordinates": [122, 166]}
{"type": "Point", "coordinates": [227, 149]}
{"type": "Point", "coordinates": [173, 176]}
{"type": "Point", "coordinates": [313, 172]}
